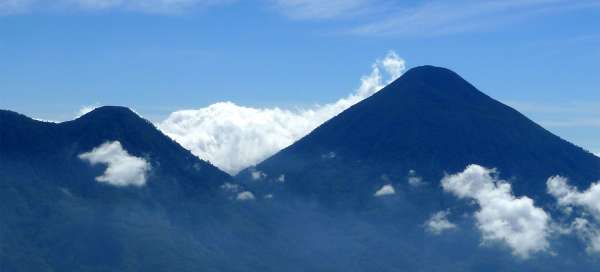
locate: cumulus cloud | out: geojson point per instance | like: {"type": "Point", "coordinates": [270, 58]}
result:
{"type": "Point", "coordinates": [439, 223]}
{"type": "Point", "coordinates": [245, 196]}
{"type": "Point", "coordinates": [588, 232]}
{"type": "Point", "coordinates": [234, 137]}
{"type": "Point", "coordinates": [569, 198]}
{"type": "Point", "coordinates": [385, 190]}
{"type": "Point", "coordinates": [502, 217]}
{"type": "Point", "coordinates": [122, 169]}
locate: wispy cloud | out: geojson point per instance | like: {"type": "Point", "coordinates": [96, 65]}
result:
{"type": "Point", "coordinates": [575, 114]}
{"type": "Point", "coordinates": [86, 109]}
{"type": "Point", "coordinates": [587, 209]}
{"type": "Point", "coordinates": [433, 18]}
{"type": "Point", "coordinates": [8, 7]}
{"type": "Point", "coordinates": [319, 9]}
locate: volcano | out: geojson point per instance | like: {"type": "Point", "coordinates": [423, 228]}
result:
{"type": "Point", "coordinates": [427, 123]}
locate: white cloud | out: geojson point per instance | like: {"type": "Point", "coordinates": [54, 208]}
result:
{"type": "Point", "coordinates": [502, 217]}
{"type": "Point", "coordinates": [86, 109]}
{"type": "Point", "coordinates": [281, 178]}
{"type": "Point", "coordinates": [8, 7]}
{"type": "Point", "coordinates": [588, 232]}
{"type": "Point", "coordinates": [385, 190]}
{"type": "Point", "coordinates": [328, 156]}
{"type": "Point", "coordinates": [257, 175]}
{"type": "Point", "coordinates": [414, 180]}
{"type": "Point", "coordinates": [122, 168]}
{"type": "Point", "coordinates": [234, 137]}
{"type": "Point", "coordinates": [245, 196]}
{"type": "Point", "coordinates": [439, 223]}
{"type": "Point", "coordinates": [45, 120]}
{"type": "Point", "coordinates": [570, 198]}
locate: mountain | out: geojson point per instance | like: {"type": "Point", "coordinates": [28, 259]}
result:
{"type": "Point", "coordinates": [50, 150]}
{"type": "Point", "coordinates": [110, 192]}
{"type": "Point", "coordinates": [58, 214]}
{"type": "Point", "coordinates": [427, 123]}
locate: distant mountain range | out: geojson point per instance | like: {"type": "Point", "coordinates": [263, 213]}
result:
{"type": "Point", "coordinates": [369, 190]}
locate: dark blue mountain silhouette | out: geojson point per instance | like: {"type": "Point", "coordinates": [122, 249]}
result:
{"type": "Point", "coordinates": [54, 215]}
{"type": "Point", "coordinates": [433, 122]}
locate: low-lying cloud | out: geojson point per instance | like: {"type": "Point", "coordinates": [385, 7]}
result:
{"type": "Point", "coordinates": [502, 217]}
{"type": "Point", "coordinates": [234, 137]}
{"type": "Point", "coordinates": [122, 169]}
{"type": "Point", "coordinates": [585, 205]}
{"type": "Point", "coordinates": [245, 196]}
{"type": "Point", "coordinates": [385, 190]}
{"type": "Point", "coordinates": [439, 223]}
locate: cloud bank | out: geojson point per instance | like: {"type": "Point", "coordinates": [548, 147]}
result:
{"type": "Point", "coordinates": [122, 169]}
{"type": "Point", "coordinates": [502, 217]}
{"type": "Point", "coordinates": [234, 137]}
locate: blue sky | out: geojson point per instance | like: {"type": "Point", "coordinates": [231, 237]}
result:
{"type": "Point", "coordinates": [160, 56]}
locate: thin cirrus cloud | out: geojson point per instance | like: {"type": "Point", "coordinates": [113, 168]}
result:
{"type": "Point", "coordinates": [11, 7]}
{"type": "Point", "coordinates": [234, 137]}
{"type": "Point", "coordinates": [360, 17]}
{"type": "Point", "coordinates": [502, 217]}
{"type": "Point", "coordinates": [318, 9]}
{"type": "Point", "coordinates": [122, 169]}
{"type": "Point", "coordinates": [449, 17]}
{"type": "Point", "coordinates": [425, 18]}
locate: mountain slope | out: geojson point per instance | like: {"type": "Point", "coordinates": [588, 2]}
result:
{"type": "Point", "coordinates": [430, 121]}
{"type": "Point", "coordinates": [56, 216]}
{"type": "Point", "coordinates": [49, 147]}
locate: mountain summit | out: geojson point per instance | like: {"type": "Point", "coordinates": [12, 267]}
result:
{"type": "Point", "coordinates": [428, 122]}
